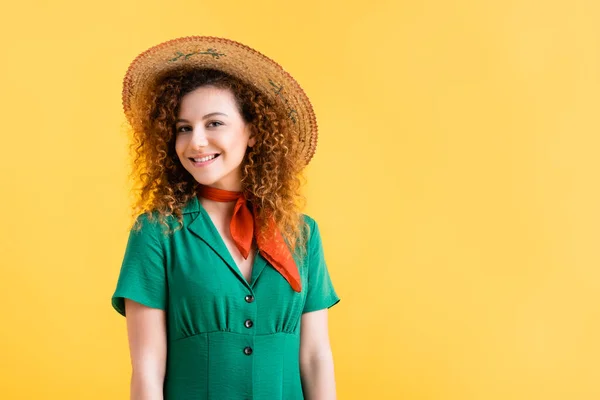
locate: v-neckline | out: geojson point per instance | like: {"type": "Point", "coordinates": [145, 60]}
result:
{"type": "Point", "coordinates": [216, 242]}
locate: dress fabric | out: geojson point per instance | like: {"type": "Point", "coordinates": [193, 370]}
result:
{"type": "Point", "coordinates": [226, 338]}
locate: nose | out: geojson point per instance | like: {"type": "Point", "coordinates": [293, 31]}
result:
{"type": "Point", "coordinates": [199, 138]}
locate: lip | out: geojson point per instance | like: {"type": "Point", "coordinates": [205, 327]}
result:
{"type": "Point", "coordinates": [205, 163]}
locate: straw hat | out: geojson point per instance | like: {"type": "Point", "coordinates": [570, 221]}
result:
{"type": "Point", "coordinates": [231, 57]}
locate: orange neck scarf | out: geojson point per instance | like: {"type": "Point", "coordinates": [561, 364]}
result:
{"type": "Point", "coordinates": [244, 227]}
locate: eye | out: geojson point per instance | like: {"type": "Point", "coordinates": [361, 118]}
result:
{"type": "Point", "coordinates": [214, 124]}
{"type": "Point", "coordinates": [183, 128]}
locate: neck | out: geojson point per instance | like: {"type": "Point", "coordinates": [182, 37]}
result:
{"type": "Point", "coordinates": [220, 208]}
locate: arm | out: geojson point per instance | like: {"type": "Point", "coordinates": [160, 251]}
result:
{"type": "Point", "coordinates": [146, 331]}
{"type": "Point", "coordinates": [316, 359]}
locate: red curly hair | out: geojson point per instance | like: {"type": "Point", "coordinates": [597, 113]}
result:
{"type": "Point", "coordinates": [271, 169]}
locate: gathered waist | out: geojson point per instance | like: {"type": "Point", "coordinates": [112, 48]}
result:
{"type": "Point", "coordinates": [229, 365]}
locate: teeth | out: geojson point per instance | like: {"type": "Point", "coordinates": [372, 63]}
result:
{"type": "Point", "coordinates": [204, 159]}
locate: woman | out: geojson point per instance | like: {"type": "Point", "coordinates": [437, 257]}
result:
{"type": "Point", "coordinates": [223, 283]}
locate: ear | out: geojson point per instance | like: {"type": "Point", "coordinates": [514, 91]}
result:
{"type": "Point", "coordinates": [251, 135]}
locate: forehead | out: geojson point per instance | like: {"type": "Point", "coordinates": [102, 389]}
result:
{"type": "Point", "coordinates": [207, 99]}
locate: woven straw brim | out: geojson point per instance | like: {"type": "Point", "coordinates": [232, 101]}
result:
{"type": "Point", "coordinates": [231, 57]}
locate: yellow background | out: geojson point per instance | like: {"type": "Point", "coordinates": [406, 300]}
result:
{"type": "Point", "coordinates": [455, 183]}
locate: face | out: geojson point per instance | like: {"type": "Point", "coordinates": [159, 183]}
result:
{"type": "Point", "coordinates": [212, 137]}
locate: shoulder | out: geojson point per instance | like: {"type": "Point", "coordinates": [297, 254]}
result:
{"type": "Point", "coordinates": [167, 223]}
{"type": "Point", "coordinates": [153, 223]}
{"type": "Point", "coordinates": [308, 220]}
{"type": "Point", "coordinates": [147, 221]}
{"type": "Point", "coordinates": [310, 228]}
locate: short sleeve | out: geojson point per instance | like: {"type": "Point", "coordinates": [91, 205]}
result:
{"type": "Point", "coordinates": [320, 292]}
{"type": "Point", "coordinates": [142, 277]}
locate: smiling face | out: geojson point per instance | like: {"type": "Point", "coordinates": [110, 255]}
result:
{"type": "Point", "coordinates": [212, 137]}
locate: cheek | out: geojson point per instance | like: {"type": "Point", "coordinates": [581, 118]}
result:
{"type": "Point", "coordinates": [243, 141]}
{"type": "Point", "coordinates": [180, 145]}
{"type": "Point", "coordinates": [233, 146]}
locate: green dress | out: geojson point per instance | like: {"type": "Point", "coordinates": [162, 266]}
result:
{"type": "Point", "coordinates": [226, 338]}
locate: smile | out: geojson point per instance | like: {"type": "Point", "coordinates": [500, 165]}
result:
{"type": "Point", "coordinates": [201, 162]}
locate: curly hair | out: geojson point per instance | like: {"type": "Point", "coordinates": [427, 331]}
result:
{"type": "Point", "coordinates": [271, 169]}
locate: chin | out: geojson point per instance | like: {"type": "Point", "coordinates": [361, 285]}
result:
{"type": "Point", "coordinates": [225, 180]}
{"type": "Point", "coordinates": [206, 181]}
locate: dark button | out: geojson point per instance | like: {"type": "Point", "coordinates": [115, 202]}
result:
{"type": "Point", "coordinates": [248, 323]}
{"type": "Point", "coordinates": [248, 351]}
{"type": "Point", "coordinates": [249, 298]}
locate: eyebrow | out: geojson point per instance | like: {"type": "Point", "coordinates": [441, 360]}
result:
{"type": "Point", "coordinates": [206, 116]}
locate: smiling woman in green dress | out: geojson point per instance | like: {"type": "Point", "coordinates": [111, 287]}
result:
{"type": "Point", "coordinates": [223, 283]}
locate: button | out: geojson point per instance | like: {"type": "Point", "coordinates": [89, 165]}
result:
{"type": "Point", "coordinates": [248, 351]}
{"type": "Point", "coordinates": [248, 323]}
{"type": "Point", "coordinates": [249, 298]}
